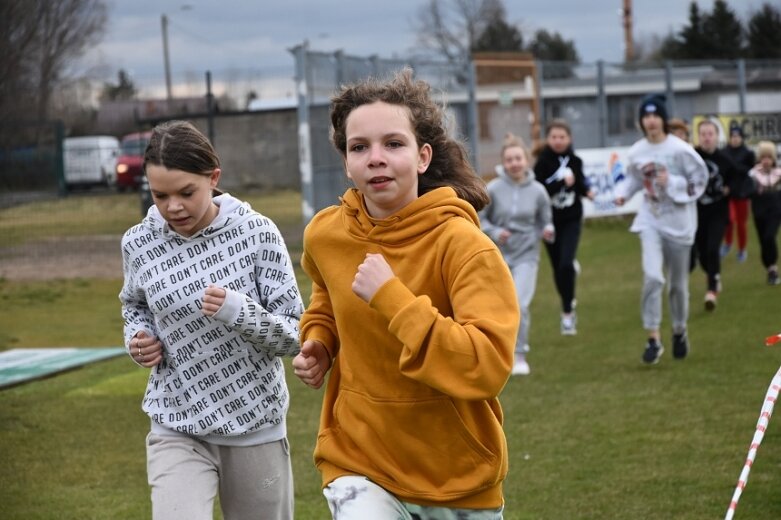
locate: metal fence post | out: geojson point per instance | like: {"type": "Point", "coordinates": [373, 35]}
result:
{"type": "Point", "coordinates": [539, 65]}
{"type": "Point", "coordinates": [669, 89]}
{"type": "Point", "coordinates": [472, 122]}
{"type": "Point", "coordinates": [742, 92]}
{"type": "Point", "coordinates": [601, 103]}
{"type": "Point", "coordinates": [304, 136]}
{"type": "Point", "coordinates": [209, 107]}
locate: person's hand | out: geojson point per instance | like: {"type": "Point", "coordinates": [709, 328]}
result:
{"type": "Point", "coordinates": [312, 363]}
{"type": "Point", "coordinates": [503, 236]}
{"type": "Point", "coordinates": [549, 234]}
{"type": "Point", "coordinates": [146, 350]}
{"type": "Point", "coordinates": [569, 177]}
{"type": "Point", "coordinates": [213, 298]}
{"type": "Point", "coordinates": [662, 176]}
{"type": "Point", "coordinates": [591, 195]}
{"type": "Point", "coordinates": [619, 201]}
{"type": "Point", "coordinates": [371, 275]}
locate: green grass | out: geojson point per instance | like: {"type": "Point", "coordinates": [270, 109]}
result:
{"type": "Point", "coordinates": [592, 432]}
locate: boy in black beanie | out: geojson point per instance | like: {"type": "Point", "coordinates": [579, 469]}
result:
{"type": "Point", "coordinates": [672, 177]}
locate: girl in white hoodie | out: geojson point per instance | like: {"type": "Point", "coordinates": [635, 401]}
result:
{"type": "Point", "coordinates": [210, 303]}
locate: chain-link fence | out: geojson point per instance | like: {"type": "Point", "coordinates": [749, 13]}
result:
{"type": "Point", "coordinates": [271, 126]}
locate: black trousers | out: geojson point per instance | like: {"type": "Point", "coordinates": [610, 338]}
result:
{"type": "Point", "coordinates": [562, 257]}
{"type": "Point", "coordinates": [767, 229]}
{"type": "Point", "coordinates": [711, 223]}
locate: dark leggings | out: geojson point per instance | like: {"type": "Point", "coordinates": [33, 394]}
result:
{"type": "Point", "coordinates": [767, 229]}
{"type": "Point", "coordinates": [710, 232]}
{"type": "Point", "coordinates": [562, 257]}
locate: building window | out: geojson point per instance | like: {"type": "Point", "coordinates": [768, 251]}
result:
{"type": "Point", "coordinates": [621, 115]}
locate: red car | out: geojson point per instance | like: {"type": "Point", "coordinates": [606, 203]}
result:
{"type": "Point", "coordinates": [130, 161]}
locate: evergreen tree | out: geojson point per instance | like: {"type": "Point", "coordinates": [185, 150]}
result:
{"type": "Point", "coordinates": [692, 44]}
{"type": "Point", "coordinates": [763, 34]}
{"type": "Point", "coordinates": [723, 33]}
{"type": "Point", "coordinates": [498, 35]}
{"type": "Point", "coordinates": [122, 91]}
{"type": "Point", "coordinates": [551, 47]}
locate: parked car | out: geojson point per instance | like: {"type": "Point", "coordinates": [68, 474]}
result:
{"type": "Point", "coordinates": [130, 162]}
{"type": "Point", "coordinates": [90, 160]}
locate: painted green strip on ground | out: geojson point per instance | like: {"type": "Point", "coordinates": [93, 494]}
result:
{"type": "Point", "coordinates": [20, 365]}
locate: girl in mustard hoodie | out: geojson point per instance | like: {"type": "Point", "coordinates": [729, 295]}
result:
{"type": "Point", "coordinates": [413, 311]}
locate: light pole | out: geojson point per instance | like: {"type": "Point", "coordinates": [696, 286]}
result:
{"type": "Point", "coordinates": [166, 59]}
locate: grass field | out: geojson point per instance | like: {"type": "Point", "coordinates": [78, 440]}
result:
{"type": "Point", "coordinates": [592, 432]}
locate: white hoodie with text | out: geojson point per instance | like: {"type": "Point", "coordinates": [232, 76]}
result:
{"type": "Point", "coordinates": [221, 378]}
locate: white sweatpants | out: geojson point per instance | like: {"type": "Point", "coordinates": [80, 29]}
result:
{"type": "Point", "coordinates": [185, 475]}
{"type": "Point", "coordinates": [662, 255]}
{"type": "Point", "coordinates": [525, 280]}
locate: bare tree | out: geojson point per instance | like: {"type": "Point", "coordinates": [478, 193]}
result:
{"type": "Point", "coordinates": [18, 32]}
{"type": "Point", "coordinates": [39, 39]}
{"type": "Point", "coordinates": [66, 29]}
{"type": "Point", "coordinates": [450, 28]}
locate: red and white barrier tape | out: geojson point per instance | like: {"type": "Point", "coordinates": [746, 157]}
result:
{"type": "Point", "coordinates": [759, 434]}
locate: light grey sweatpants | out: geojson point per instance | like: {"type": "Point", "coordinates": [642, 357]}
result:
{"type": "Point", "coordinates": [525, 280]}
{"type": "Point", "coordinates": [358, 498]}
{"type": "Point", "coordinates": [662, 255]}
{"type": "Point", "coordinates": [185, 475]}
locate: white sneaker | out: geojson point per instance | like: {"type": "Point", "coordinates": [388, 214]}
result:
{"type": "Point", "coordinates": [569, 324]}
{"type": "Point", "coordinates": [521, 367]}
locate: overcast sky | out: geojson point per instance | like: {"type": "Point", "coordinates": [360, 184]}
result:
{"type": "Point", "coordinates": [256, 34]}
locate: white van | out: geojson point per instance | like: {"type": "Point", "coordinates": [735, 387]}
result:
{"type": "Point", "coordinates": [90, 160]}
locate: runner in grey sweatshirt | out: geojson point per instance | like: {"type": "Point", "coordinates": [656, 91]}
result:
{"type": "Point", "coordinates": [672, 176]}
{"type": "Point", "coordinates": [518, 216]}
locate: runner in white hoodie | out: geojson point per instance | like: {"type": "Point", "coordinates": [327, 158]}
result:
{"type": "Point", "coordinates": [210, 303]}
{"type": "Point", "coordinates": [672, 176]}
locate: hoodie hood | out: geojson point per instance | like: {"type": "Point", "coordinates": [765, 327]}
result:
{"type": "Point", "coordinates": [232, 211]}
{"type": "Point", "coordinates": [413, 221]}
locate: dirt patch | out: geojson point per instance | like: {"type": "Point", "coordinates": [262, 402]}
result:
{"type": "Point", "coordinates": [63, 257]}
{"type": "Point", "coordinates": [77, 257]}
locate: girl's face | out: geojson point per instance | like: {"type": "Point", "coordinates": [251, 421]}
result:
{"type": "Point", "coordinates": [558, 139]}
{"type": "Point", "coordinates": [766, 161]}
{"type": "Point", "coordinates": [383, 158]}
{"type": "Point", "coordinates": [514, 162]}
{"type": "Point", "coordinates": [184, 199]}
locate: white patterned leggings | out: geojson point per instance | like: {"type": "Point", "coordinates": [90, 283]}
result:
{"type": "Point", "coordinates": [358, 498]}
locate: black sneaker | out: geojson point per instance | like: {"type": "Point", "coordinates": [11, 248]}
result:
{"type": "Point", "coordinates": [680, 345]}
{"type": "Point", "coordinates": [653, 351]}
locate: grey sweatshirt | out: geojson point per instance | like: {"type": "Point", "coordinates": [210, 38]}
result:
{"type": "Point", "coordinates": [524, 209]}
{"type": "Point", "coordinates": [221, 378]}
{"type": "Point", "coordinates": [670, 210]}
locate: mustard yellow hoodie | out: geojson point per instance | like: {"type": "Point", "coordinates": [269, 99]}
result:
{"type": "Point", "coordinates": [411, 401]}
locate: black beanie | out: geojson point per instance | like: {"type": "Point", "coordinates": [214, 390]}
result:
{"type": "Point", "coordinates": [735, 128]}
{"type": "Point", "coordinates": [653, 104]}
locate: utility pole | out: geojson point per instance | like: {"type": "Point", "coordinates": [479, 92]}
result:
{"type": "Point", "coordinates": [166, 61]}
{"type": "Point", "coordinates": [629, 46]}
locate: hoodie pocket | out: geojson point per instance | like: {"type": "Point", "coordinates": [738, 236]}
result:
{"type": "Point", "coordinates": [420, 448]}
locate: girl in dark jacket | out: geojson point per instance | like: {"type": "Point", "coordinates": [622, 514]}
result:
{"type": "Point", "coordinates": [561, 172]}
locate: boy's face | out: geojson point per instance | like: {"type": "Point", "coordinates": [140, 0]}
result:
{"type": "Point", "coordinates": [383, 158]}
{"type": "Point", "coordinates": [735, 139]}
{"type": "Point", "coordinates": [652, 124]}
{"type": "Point", "coordinates": [709, 138]}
